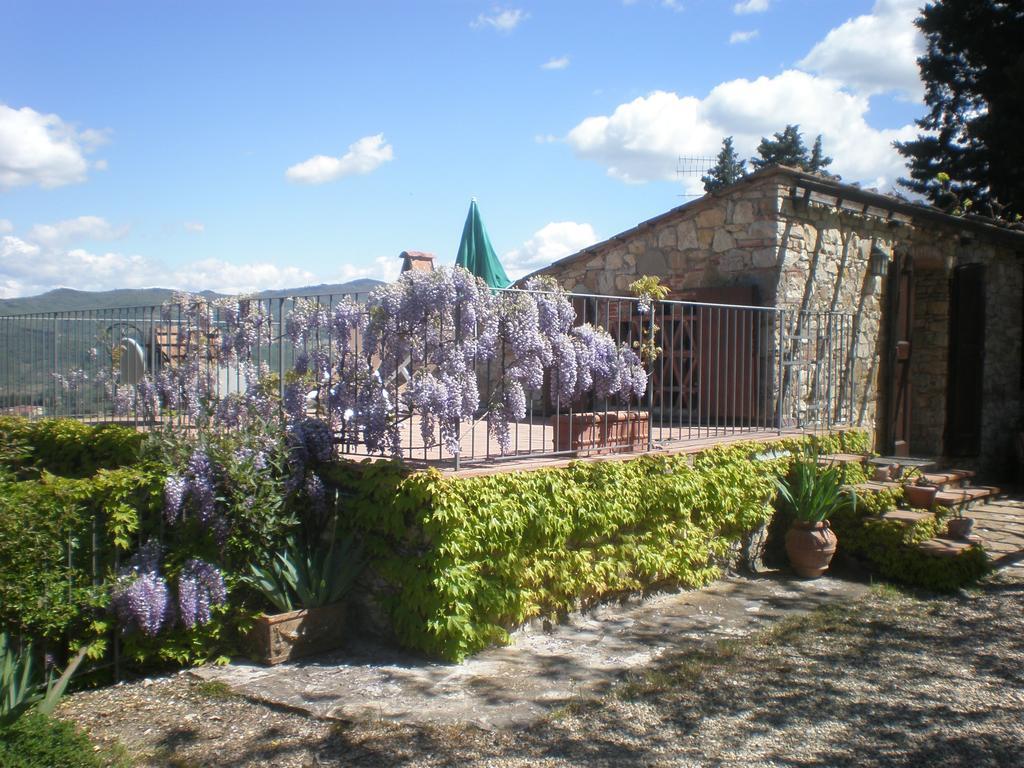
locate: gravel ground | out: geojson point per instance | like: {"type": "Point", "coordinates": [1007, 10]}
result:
{"type": "Point", "coordinates": [896, 679]}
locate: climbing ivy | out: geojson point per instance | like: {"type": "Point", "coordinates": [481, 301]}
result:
{"type": "Point", "coordinates": [463, 560]}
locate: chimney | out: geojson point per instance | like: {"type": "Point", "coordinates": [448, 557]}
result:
{"type": "Point", "coordinates": [417, 261]}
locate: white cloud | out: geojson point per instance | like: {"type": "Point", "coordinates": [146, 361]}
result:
{"type": "Point", "coordinates": [6, 226]}
{"type": "Point", "coordinates": [196, 227]}
{"type": "Point", "coordinates": [501, 19]}
{"type": "Point", "coordinates": [560, 63]}
{"type": "Point", "coordinates": [363, 156]}
{"type": "Point", "coordinates": [42, 149]}
{"type": "Point", "coordinates": [76, 230]}
{"type": "Point", "coordinates": [386, 268]}
{"type": "Point", "coordinates": [641, 140]}
{"type": "Point", "coordinates": [743, 37]}
{"type": "Point", "coordinates": [874, 53]}
{"type": "Point", "coordinates": [750, 6]}
{"type": "Point", "coordinates": [546, 138]}
{"type": "Point", "coordinates": [549, 243]}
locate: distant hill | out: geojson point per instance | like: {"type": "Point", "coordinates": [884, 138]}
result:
{"type": "Point", "coordinates": [67, 299]}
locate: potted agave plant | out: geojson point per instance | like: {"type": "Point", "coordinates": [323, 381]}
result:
{"type": "Point", "coordinates": [308, 586]}
{"type": "Point", "coordinates": [812, 494]}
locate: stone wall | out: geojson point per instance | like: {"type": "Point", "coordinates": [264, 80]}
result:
{"type": "Point", "coordinates": [715, 242]}
{"type": "Point", "coordinates": [929, 360]}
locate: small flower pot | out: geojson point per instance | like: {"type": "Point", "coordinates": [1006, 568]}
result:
{"type": "Point", "coordinates": [959, 527]}
{"type": "Point", "coordinates": [810, 547]}
{"type": "Point", "coordinates": [286, 636]}
{"type": "Point", "coordinates": [882, 474]}
{"type": "Point", "coordinates": [920, 496]}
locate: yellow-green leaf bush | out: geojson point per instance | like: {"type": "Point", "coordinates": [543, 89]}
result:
{"type": "Point", "coordinates": [463, 560]}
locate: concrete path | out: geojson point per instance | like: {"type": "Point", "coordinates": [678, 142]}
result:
{"type": "Point", "coordinates": [541, 670]}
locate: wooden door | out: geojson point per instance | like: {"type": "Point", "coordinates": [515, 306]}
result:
{"type": "Point", "coordinates": [900, 292]}
{"type": "Point", "coordinates": [966, 361]}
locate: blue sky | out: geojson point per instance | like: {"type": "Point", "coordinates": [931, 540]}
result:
{"type": "Point", "coordinates": [240, 146]}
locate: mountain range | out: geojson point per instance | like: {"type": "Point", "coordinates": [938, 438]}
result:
{"type": "Point", "coordinates": [68, 299]}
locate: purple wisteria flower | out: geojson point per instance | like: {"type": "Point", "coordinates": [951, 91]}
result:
{"type": "Point", "coordinates": [200, 587]}
{"type": "Point", "coordinates": [141, 600]}
{"type": "Point", "coordinates": [175, 489]}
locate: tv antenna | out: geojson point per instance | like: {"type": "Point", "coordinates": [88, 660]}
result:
{"type": "Point", "coordinates": [690, 165]}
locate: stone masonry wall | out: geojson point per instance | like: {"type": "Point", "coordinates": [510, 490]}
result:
{"type": "Point", "coordinates": [929, 360]}
{"type": "Point", "coordinates": [723, 242]}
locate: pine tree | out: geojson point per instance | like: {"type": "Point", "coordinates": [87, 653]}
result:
{"type": "Point", "coordinates": [786, 148]}
{"type": "Point", "coordinates": [818, 160]}
{"type": "Point", "coordinates": [971, 155]}
{"type": "Point", "coordinates": [728, 170]}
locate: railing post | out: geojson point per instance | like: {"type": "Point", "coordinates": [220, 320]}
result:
{"type": "Point", "coordinates": [780, 319]}
{"type": "Point", "coordinates": [650, 382]}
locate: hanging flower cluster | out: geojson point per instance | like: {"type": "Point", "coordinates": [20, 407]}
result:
{"type": "Point", "coordinates": [536, 329]}
{"type": "Point", "coordinates": [439, 324]}
{"type": "Point", "coordinates": [142, 600]}
{"type": "Point", "coordinates": [195, 491]}
{"type": "Point", "coordinates": [415, 347]}
{"type": "Point", "coordinates": [200, 587]}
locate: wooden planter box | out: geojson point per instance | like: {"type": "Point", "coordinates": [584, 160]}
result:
{"type": "Point", "coordinates": [287, 636]}
{"type": "Point", "coordinates": [601, 432]}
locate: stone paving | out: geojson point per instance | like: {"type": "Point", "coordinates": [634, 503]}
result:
{"type": "Point", "coordinates": [1000, 524]}
{"type": "Point", "coordinates": [542, 669]}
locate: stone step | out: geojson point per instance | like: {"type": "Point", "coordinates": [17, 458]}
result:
{"type": "Point", "coordinates": [955, 497]}
{"type": "Point", "coordinates": [907, 517]}
{"type": "Point", "coordinates": [942, 547]}
{"type": "Point", "coordinates": [942, 480]}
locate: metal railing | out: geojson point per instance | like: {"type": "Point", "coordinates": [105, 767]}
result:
{"type": "Point", "coordinates": [719, 371]}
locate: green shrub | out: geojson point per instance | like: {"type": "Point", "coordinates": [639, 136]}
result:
{"type": "Point", "coordinates": [58, 541]}
{"type": "Point", "coordinates": [465, 559]}
{"type": "Point", "coordinates": [69, 447]}
{"type": "Point", "coordinates": [38, 741]}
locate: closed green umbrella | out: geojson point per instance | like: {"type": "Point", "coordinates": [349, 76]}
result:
{"type": "Point", "coordinates": [476, 253]}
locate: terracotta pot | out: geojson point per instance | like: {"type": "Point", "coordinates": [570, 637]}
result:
{"type": "Point", "coordinates": [287, 636]}
{"type": "Point", "coordinates": [959, 527]}
{"type": "Point", "coordinates": [810, 547]}
{"type": "Point", "coordinates": [920, 496]}
{"type": "Point", "coordinates": [882, 474]}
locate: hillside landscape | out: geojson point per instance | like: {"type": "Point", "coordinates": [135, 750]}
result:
{"type": "Point", "coordinates": [68, 299]}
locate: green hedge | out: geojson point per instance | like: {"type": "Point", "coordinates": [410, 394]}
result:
{"type": "Point", "coordinates": [58, 538]}
{"type": "Point", "coordinates": [71, 448]}
{"type": "Point", "coordinates": [465, 559]}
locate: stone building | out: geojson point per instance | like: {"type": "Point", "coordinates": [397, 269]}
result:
{"type": "Point", "coordinates": [935, 300]}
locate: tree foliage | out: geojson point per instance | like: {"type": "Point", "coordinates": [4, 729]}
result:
{"type": "Point", "coordinates": [787, 148]}
{"type": "Point", "coordinates": [727, 170]}
{"type": "Point", "coordinates": [970, 153]}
